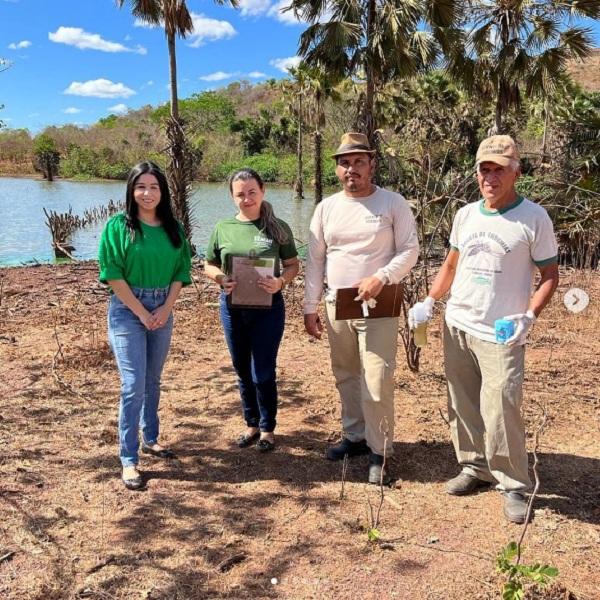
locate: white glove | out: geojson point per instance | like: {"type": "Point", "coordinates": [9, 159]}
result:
{"type": "Point", "coordinates": [421, 312]}
{"type": "Point", "coordinates": [523, 323]}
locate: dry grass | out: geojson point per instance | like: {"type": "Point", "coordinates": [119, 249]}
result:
{"type": "Point", "coordinates": [587, 73]}
{"type": "Point", "coordinates": [220, 522]}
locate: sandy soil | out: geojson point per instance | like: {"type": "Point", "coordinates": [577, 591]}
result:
{"type": "Point", "coordinates": [220, 522]}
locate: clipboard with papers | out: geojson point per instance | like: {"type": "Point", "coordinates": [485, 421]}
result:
{"type": "Point", "coordinates": [246, 271]}
{"type": "Point", "coordinates": [389, 304]}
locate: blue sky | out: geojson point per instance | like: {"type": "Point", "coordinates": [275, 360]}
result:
{"type": "Point", "coordinates": [75, 61]}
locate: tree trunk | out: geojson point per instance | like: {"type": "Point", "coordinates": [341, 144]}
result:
{"type": "Point", "coordinates": [49, 165]}
{"type": "Point", "coordinates": [368, 119]}
{"type": "Point", "coordinates": [545, 137]}
{"type": "Point", "coordinates": [497, 128]}
{"type": "Point", "coordinates": [173, 77]}
{"type": "Point", "coordinates": [298, 186]}
{"type": "Point", "coordinates": [318, 167]}
{"type": "Point", "coordinates": [179, 166]}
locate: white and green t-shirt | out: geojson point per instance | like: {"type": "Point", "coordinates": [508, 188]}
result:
{"type": "Point", "coordinates": [498, 253]}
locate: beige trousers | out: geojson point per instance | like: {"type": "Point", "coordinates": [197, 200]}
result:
{"type": "Point", "coordinates": [485, 391]}
{"type": "Point", "coordinates": [363, 359]}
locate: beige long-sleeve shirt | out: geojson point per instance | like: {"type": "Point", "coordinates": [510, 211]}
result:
{"type": "Point", "coordinates": [354, 238]}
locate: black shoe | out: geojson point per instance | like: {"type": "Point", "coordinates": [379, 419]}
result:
{"type": "Point", "coordinates": [338, 451]}
{"type": "Point", "coordinates": [378, 474]}
{"type": "Point", "coordinates": [162, 453]}
{"type": "Point", "coordinates": [246, 439]}
{"type": "Point", "coordinates": [265, 445]}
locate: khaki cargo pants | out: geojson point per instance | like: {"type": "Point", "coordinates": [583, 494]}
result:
{"type": "Point", "coordinates": [363, 359]}
{"type": "Point", "coordinates": [485, 391]}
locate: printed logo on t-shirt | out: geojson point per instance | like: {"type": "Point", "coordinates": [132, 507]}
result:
{"type": "Point", "coordinates": [262, 242]}
{"type": "Point", "coordinates": [373, 218]}
{"type": "Point", "coordinates": [483, 251]}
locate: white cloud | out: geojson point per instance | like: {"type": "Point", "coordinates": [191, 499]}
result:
{"type": "Point", "coordinates": [256, 74]}
{"type": "Point", "coordinates": [20, 45]}
{"type": "Point", "coordinates": [75, 36]}
{"type": "Point", "coordinates": [287, 17]}
{"type": "Point", "coordinates": [144, 24]}
{"type": "Point", "coordinates": [72, 110]}
{"type": "Point", "coordinates": [150, 82]}
{"type": "Point", "coordinates": [284, 64]}
{"type": "Point", "coordinates": [218, 76]}
{"type": "Point", "coordinates": [118, 109]}
{"type": "Point", "coordinates": [209, 30]}
{"type": "Point", "coordinates": [254, 8]}
{"type": "Point", "coordinates": [99, 88]}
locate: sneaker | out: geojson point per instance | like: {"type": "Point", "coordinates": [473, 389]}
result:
{"type": "Point", "coordinates": [378, 474]}
{"type": "Point", "coordinates": [131, 478]}
{"type": "Point", "coordinates": [338, 451]}
{"type": "Point", "coordinates": [515, 507]}
{"type": "Point", "coordinates": [464, 484]}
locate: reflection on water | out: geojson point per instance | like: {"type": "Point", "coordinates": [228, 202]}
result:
{"type": "Point", "coordinates": [24, 236]}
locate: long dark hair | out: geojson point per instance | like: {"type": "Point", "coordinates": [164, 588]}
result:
{"type": "Point", "coordinates": [270, 224]}
{"type": "Point", "coordinates": [163, 211]}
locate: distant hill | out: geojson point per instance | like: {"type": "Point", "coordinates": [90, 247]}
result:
{"type": "Point", "coordinates": [587, 73]}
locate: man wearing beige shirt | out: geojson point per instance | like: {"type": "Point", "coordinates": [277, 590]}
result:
{"type": "Point", "coordinates": [363, 237]}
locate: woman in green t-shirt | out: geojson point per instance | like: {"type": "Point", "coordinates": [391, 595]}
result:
{"type": "Point", "coordinates": [145, 258]}
{"type": "Point", "coordinates": [253, 335]}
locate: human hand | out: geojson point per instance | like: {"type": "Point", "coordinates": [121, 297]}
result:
{"type": "Point", "coordinates": [421, 312]}
{"type": "Point", "coordinates": [313, 325]}
{"type": "Point", "coordinates": [523, 323]}
{"type": "Point", "coordinates": [159, 317]}
{"type": "Point", "coordinates": [269, 284]}
{"type": "Point", "coordinates": [369, 287]}
{"type": "Point", "coordinates": [227, 284]}
{"type": "Point", "coordinates": [146, 318]}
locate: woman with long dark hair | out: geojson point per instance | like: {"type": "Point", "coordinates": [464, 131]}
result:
{"type": "Point", "coordinates": [145, 258]}
{"type": "Point", "coordinates": [253, 335]}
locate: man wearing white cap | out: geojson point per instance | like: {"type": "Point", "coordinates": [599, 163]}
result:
{"type": "Point", "coordinates": [496, 246]}
{"type": "Point", "coordinates": [362, 237]}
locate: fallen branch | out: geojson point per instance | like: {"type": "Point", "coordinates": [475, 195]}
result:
{"type": "Point", "coordinates": [6, 556]}
{"type": "Point", "coordinates": [230, 562]}
{"type": "Point", "coordinates": [536, 476]}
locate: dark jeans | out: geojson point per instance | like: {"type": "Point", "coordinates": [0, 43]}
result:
{"type": "Point", "coordinates": [253, 336]}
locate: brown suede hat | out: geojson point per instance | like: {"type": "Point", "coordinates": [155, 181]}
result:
{"type": "Point", "coordinates": [499, 149]}
{"type": "Point", "coordinates": [353, 142]}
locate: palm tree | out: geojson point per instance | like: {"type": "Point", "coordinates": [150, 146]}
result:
{"type": "Point", "coordinates": [515, 45]}
{"type": "Point", "coordinates": [176, 19]}
{"type": "Point", "coordinates": [295, 91]}
{"type": "Point", "coordinates": [375, 40]}
{"type": "Point", "coordinates": [320, 87]}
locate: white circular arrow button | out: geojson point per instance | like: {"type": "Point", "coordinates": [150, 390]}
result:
{"type": "Point", "coordinates": [576, 300]}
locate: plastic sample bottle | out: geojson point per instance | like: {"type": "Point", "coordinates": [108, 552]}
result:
{"type": "Point", "coordinates": [420, 332]}
{"type": "Point", "coordinates": [504, 329]}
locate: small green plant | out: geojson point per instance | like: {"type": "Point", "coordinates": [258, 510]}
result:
{"type": "Point", "coordinates": [518, 574]}
{"type": "Point", "coordinates": [373, 534]}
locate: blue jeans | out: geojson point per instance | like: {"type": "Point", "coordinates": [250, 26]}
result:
{"type": "Point", "coordinates": [253, 336]}
{"type": "Point", "coordinates": [140, 355]}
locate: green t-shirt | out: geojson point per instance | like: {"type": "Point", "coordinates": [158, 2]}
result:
{"type": "Point", "coordinates": [148, 261]}
{"type": "Point", "coordinates": [233, 237]}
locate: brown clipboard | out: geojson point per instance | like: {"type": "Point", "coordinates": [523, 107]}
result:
{"type": "Point", "coordinates": [245, 270]}
{"type": "Point", "coordinates": [389, 303]}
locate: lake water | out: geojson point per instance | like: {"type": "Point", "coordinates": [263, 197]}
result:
{"type": "Point", "coordinates": [25, 238]}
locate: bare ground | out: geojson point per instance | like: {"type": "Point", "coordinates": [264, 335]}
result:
{"type": "Point", "coordinates": [225, 523]}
